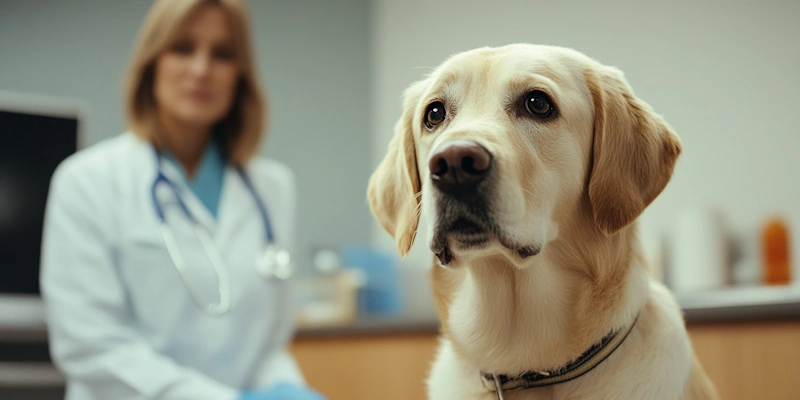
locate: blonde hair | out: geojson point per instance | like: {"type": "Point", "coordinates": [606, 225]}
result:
{"type": "Point", "coordinates": [241, 129]}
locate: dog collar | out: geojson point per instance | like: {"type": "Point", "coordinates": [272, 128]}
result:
{"type": "Point", "coordinates": [583, 364]}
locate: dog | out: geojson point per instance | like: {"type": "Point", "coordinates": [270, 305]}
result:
{"type": "Point", "coordinates": [531, 164]}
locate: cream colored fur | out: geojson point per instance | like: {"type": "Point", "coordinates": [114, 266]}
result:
{"type": "Point", "coordinates": [572, 185]}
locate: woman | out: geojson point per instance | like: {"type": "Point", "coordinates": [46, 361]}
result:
{"type": "Point", "coordinates": [151, 237]}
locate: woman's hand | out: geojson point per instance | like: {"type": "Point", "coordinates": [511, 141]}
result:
{"type": "Point", "coordinates": [282, 391]}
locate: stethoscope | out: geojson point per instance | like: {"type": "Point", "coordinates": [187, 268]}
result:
{"type": "Point", "coordinates": [273, 262]}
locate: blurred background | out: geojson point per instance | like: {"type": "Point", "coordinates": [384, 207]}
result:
{"type": "Point", "coordinates": [724, 74]}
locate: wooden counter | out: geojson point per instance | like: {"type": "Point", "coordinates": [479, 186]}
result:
{"type": "Point", "coordinates": [746, 360]}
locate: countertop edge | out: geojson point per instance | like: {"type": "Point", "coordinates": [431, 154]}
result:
{"type": "Point", "coordinates": [741, 305]}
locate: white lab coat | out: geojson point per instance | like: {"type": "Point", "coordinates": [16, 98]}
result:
{"type": "Point", "coordinates": [122, 324]}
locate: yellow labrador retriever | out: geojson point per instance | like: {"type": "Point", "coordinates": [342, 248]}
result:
{"type": "Point", "coordinates": [531, 164]}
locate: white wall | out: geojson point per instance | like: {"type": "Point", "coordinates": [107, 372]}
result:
{"type": "Point", "coordinates": [726, 76]}
{"type": "Point", "coordinates": [313, 57]}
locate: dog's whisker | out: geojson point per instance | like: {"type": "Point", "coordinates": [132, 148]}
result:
{"type": "Point", "coordinates": [526, 191]}
{"type": "Point", "coordinates": [418, 208]}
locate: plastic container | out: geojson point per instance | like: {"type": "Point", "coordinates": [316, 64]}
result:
{"type": "Point", "coordinates": [381, 294]}
{"type": "Point", "coordinates": [775, 252]}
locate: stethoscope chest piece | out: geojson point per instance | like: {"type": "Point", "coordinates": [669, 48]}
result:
{"type": "Point", "coordinates": [274, 261]}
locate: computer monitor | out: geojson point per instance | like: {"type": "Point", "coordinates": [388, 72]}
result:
{"type": "Point", "coordinates": [36, 134]}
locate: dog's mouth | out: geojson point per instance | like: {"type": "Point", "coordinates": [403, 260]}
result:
{"type": "Point", "coordinates": [468, 233]}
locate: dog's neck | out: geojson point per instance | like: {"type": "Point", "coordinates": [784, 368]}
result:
{"type": "Point", "coordinates": [510, 320]}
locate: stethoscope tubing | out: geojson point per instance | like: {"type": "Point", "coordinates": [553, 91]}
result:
{"type": "Point", "coordinates": [205, 239]}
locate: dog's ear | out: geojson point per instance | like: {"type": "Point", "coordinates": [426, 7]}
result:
{"type": "Point", "coordinates": [394, 187]}
{"type": "Point", "coordinates": [634, 151]}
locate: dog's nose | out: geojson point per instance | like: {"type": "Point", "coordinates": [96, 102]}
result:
{"type": "Point", "coordinates": [459, 165]}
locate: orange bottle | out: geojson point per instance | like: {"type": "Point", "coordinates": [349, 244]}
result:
{"type": "Point", "coordinates": [775, 252]}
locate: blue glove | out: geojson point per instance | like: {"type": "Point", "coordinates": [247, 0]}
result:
{"type": "Point", "coordinates": [282, 391]}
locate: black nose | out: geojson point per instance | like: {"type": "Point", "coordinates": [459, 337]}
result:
{"type": "Point", "coordinates": [457, 166]}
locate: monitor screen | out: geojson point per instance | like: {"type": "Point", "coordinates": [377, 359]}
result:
{"type": "Point", "coordinates": [32, 144]}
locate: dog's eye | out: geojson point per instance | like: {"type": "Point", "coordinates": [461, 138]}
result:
{"type": "Point", "coordinates": [537, 103]}
{"type": "Point", "coordinates": [434, 115]}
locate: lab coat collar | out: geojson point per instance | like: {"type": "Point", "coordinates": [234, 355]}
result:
{"type": "Point", "coordinates": [195, 206]}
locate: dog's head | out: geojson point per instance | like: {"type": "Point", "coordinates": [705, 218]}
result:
{"type": "Point", "coordinates": [501, 147]}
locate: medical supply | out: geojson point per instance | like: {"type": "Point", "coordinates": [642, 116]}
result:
{"type": "Point", "coordinates": [699, 252]}
{"type": "Point", "coordinates": [327, 300]}
{"type": "Point", "coordinates": [381, 294]}
{"type": "Point", "coordinates": [775, 252]}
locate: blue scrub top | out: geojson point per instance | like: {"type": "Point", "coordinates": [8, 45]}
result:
{"type": "Point", "coordinates": [207, 181]}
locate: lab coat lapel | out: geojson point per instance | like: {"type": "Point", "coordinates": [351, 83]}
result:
{"type": "Point", "coordinates": [234, 202]}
